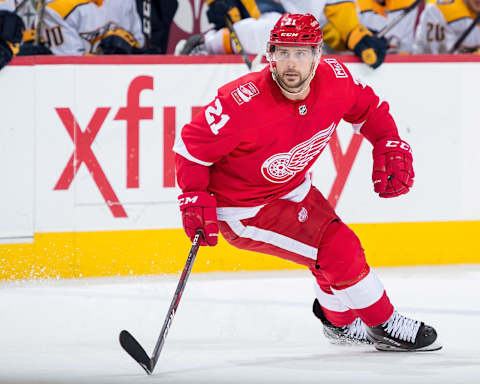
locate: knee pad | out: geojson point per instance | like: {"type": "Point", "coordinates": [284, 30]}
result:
{"type": "Point", "coordinates": [340, 256]}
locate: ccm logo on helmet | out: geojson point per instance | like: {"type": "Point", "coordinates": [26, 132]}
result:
{"type": "Point", "coordinates": [289, 34]}
{"type": "Point", "coordinates": [187, 200]}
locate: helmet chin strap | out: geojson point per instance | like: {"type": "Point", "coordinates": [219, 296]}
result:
{"type": "Point", "coordinates": [313, 68]}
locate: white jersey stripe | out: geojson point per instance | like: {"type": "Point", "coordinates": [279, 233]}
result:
{"type": "Point", "coordinates": [273, 238]}
{"type": "Point", "coordinates": [363, 294]}
{"type": "Point", "coordinates": [329, 301]}
{"type": "Point", "coordinates": [180, 148]}
{"type": "Point", "coordinates": [240, 213]}
{"type": "Point", "coordinates": [237, 213]}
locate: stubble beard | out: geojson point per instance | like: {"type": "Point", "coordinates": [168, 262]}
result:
{"type": "Point", "coordinates": [292, 87]}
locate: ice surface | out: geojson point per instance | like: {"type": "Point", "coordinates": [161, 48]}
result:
{"type": "Point", "coordinates": [230, 328]}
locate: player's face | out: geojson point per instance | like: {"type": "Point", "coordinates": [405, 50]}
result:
{"type": "Point", "coordinates": [293, 65]}
{"type": "Point", "coordinates": [474, 5]}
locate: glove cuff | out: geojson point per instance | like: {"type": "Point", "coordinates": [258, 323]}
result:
{"type": "Point", "coordinates": [357, 34]}
{"type": "Point", "coordinates": [196, 199]}
{"type": "Point", "coordinates": [29, 35]}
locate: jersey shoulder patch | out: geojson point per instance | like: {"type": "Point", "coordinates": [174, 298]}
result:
{"type": "Point", "coordinates": [245, 92]}
{"type": "Point", "coordinates": [243, 89]}
{"type": "Point", "coordinates": [337, 68]}
{"type": "Point", "coordinates": [64, 8]}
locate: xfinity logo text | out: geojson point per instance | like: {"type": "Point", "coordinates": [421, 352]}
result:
{"type": "Point", "coordinates": [132, 113]}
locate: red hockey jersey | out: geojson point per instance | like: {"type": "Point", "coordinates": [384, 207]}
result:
{"type": "Point", "coordinates": [252, 145]}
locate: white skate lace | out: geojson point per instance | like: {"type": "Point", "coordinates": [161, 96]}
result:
{"type": "Point", "coordinates": [356, 330]}
{"type": "Point", "coordinates": [402, 327]}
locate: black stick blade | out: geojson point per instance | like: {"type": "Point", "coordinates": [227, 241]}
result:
{"type": "Point", "coordinates": [134, 349]}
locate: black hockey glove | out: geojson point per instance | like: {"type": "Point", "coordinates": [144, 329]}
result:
{"type": "Point", "coordinates": [150, 51]}
{"type": "Point", "coordinates": [218, 11]}
{"type": "Point", "coordinates": [6, 54]}
{"type": "Point", "coordinates": [118, 42]}
{"type": "Point", "coordinates": [11, 27]}
{"type": "Point", "coordinates": [369, 48]}
{"type": "Point", "coordinates": [237, 10]}
{"type": "Point", "coordinates": [29, 49]}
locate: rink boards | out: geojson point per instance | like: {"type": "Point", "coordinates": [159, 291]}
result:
{"type": "Point", "coordinates": [88, 181]}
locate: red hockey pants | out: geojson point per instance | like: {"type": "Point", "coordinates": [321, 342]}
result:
{"type": "Point", "coordinates": [310, 233]}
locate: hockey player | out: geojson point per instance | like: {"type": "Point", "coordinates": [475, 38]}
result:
{"type": "Point", "coordinates": [124, 34]}
{"type": "Point", "coordinates": [157, 17]}
{"type": "Point", "coordinates": [252, 19]}
{"type": "Point", "coordinates": [30, 12]}
{"type": "Point", "coordinates": [344, 30]}
{"type": "Point", "coordinates": [243, 162]}
{"type": "Point", "coordinates": [443, 22]}
{"type": "Point", "coordinates": [11, 32]}
{"type": "Point", "coordinates": [376, 14]}
{"type": "Point", "coordinates": [338, 18]}
{"type": "Point", "coordinates": [80, 27]}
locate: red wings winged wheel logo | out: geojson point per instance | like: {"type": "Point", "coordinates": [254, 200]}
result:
{"type": "Point", "coordinates": [281, 167]}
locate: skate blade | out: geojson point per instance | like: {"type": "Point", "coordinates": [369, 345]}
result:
{"type": "Point", "coordinates": [338, 340]}
{"type": "Point", "coordinates": [435, 346]}
{"type": "Point", "coordinates": [348, 342]}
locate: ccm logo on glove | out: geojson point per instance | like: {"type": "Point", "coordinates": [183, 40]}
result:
{"type": "Point", "coordinates": [392, 167]}
{"type": "Point", "coordinates": [187, 200]}
{"type": "Point", "coordinates": [199, 211]}
{"type": "Point", "coordinates": [398, 144]}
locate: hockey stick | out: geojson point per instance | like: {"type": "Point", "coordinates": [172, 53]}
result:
{"type": "Point", "coordinates": [132, 346]}
{"type": "Point", "coordinates": [399, 18]}
{"type": "Point", "coordinates": [256, 62]}
{"type": "Point", "coordinates": [147, 21]}
{"type": "Point", "coordinates": [464, 35]}
{"type": "Point", "coordinates": [20, 6]}
{"type": "Point", "coordinates": [39, 21]}
{"type": "Point", "coordinates": [241, 51]}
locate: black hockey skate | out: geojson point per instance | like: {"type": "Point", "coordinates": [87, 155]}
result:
{"type": "Point", "coordinates": [351, 334]}
{"type": "Point", "coordinates": [401, 334]}
{"type": "Point", "coordinates": [194, 45]}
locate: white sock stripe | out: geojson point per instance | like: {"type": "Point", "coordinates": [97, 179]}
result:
{"type": "Point", "coordinates": [273, 238]}
{"type": "Point", "coordinates": [329, 301]}
{"type": "Point", "coordinates": [363, 294]}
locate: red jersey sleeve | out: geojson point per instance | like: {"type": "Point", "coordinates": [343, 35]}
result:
{"type": "Point", "coordinates": [191, 176]}
{"type": "Point", "coordinates": [213, 133]}
{"type": "Point", "coordinates": [369, 113]}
